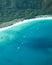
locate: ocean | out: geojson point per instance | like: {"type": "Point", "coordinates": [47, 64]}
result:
{"type": "Point", "coordinates": [29, 43]}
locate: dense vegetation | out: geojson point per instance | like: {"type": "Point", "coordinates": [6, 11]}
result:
{"type": "Point", "coordinates": [17, 9]}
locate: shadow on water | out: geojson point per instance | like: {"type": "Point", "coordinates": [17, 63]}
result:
{"type": "Point", "coordinates": [40, 44]}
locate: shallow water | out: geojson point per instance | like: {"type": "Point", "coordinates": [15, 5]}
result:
{"type": "Point", "coordinates": [27, 44]}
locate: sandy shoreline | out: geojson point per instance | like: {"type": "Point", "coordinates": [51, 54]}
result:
{"type": "Point", "coordinates": [25, 21]}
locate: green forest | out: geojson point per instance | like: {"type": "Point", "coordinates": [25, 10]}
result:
{"type": "Point", "coordinates": [26, 9]}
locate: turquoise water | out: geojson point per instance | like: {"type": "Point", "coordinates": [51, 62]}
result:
{"type": "Point", "coordinates": [27, 44]}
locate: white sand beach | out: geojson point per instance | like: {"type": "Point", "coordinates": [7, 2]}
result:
{"type": "Point", "coordinates": [25, 21]}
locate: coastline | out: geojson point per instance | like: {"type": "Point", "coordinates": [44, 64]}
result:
{"type": "Point", "coordinates": [23, 21]}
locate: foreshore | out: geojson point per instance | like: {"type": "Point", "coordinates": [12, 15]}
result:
{"type": "Point", "coordinates": [7, 25]}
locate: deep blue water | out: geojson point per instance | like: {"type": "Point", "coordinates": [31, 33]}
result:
{"type": "Point", "coordinates": [27, 44]}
